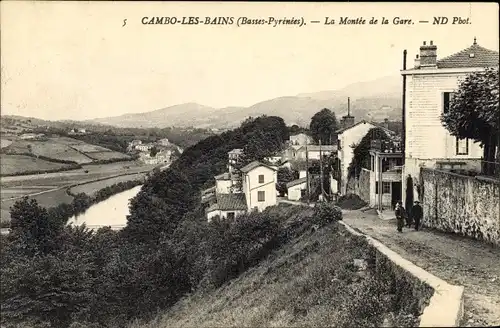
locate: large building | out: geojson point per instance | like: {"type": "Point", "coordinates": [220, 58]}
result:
{"type": "Point", "coordinates": [430, 86]}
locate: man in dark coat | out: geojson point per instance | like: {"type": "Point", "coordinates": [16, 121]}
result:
{"type": "Point", "coordinates": [417, 214]}
{"type": "Point", "coordinates": [400, 215]}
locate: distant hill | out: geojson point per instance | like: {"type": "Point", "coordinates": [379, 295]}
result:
{"type": "Point", "coordinates": [372, 100]}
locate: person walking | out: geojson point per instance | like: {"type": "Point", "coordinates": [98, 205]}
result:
{"type": "Point", "coordinates": [399, 211]}
{"type": "Point", "coordinates": [417, 214]}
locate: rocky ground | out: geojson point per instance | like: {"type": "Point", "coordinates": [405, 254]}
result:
{"type": "Point", "coordinates": [455, 259]}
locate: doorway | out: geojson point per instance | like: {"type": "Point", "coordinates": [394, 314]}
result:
{"type": "Point", "coordinates": [395, 193]}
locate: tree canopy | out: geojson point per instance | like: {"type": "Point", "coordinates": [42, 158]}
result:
{"type": "Point", "coordinates": [474, 113]}
{"type": "Point", "coordinates": [323, 126]}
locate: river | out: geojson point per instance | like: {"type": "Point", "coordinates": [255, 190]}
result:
{"type": "Point", "coordinates": [110, 212]}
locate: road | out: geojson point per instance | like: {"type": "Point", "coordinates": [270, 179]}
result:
{"type": "Point", "coordinates": [455, 259]}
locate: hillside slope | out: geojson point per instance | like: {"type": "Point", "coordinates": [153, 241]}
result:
{"type": "Point", "coordinates": [313, 280]}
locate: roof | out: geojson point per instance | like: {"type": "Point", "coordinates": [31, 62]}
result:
{"type": "Point", "coordinates": [364, 121]}
{"type": "Point", "coordinates": [317, 147]}
{"type": "Point", "coordinates": [236, 151]}
{"type": "Point", "coordinates": [482, 57]}
{"type": "Point", "coordinates": [226, 202]}
{"type": "Point", "coordinates": [223, 176]}
{"type": "Point", "coordinates": [296, 182]}
{"type": "Point", "coordinates": [208, 190]}
{"type": "Point", "coordinates": [253, 165]}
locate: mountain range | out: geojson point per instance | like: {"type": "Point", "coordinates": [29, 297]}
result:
{"type": "Point", "coordinates": [371, 100]}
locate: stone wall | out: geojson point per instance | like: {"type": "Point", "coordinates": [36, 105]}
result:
{"type": "Point", "coordinates": [360, 186]}
{"type": "Point", "coordinates": [437, 303]}
{"type": "Point", "coordinates": [469, 206]}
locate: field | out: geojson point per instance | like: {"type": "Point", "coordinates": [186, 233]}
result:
{"type": "Point", "coordinates": [10, 164]}
{"type": "Point", "coordinates": [88, 148]}
{"type": "Point", "coordinates": [48, 199]}
{"type": "Point", "coordinates": [107, 155]}
{"type": "Point", "coordinates": [91, 188]}
{"type": "Point", "coordinates": [5, 143]}
{"type": "Point", "coordinates": [54, 184]}
{"type": "Point", "coordinates": [322, 278]}
{"type": "Point", "coordinates": [56, 148]}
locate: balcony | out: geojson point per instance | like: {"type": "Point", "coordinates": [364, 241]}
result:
{"type": "Point", "coordinates": [386, 146]}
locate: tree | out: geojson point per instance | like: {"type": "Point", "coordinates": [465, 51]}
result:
{"type": "Point", "coordinates": [474, 114]}
{"type": "Point", "coordinates": [285, 175]}
{"type": "Point", "coordinates": [323, 126]}
{"type": "Point", "coordinates": [153, 152]}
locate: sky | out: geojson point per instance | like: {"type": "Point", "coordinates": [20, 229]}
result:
{"type": "Point", "coordinates": [76, 60]}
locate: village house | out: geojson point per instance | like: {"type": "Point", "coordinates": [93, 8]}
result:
{"type": "Point", "coordinates": [257, 193]}
{"type": "Point", "coordinates": [300, 139]}
{"type": "Point", "coordinates": [430, 86]}
{"type": "Point", "coordinates": [163, 142]}
{"type": "Point", "coordinates": [227, 206]}
{"type": "Point", "coordinates": [384, 186]}
{"type": "Point", "coordinates": [233, 157]}
{"type": "Point", "coordinates": [347, 137]}
{"type": "Point", "coordinates": [314, 152]}
{"type": "Point", "coordinates": [144, 147]}
{"type": "Point", "coordinates": [259, 185]}
{"type": "Point", "coordinates": [296, 188]}
{"type": "Point", "coordinates": [160, 158]}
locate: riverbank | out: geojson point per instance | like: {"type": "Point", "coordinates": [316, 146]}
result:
{"type": "Point", "coordinates": [50, 189]}
{"type": "Point", "coordinates": [89, 196]}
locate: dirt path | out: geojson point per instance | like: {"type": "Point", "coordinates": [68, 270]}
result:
{"type": "Point", "coordinates": [455, 259]}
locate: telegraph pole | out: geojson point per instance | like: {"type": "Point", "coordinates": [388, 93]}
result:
{"type": "Point", "coordinates": [321, 170]}
{"type": "Point", "coordinates": [307, 174]}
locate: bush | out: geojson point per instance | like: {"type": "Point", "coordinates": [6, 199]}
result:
{"type": "Point", "coordinates": [325, 213]}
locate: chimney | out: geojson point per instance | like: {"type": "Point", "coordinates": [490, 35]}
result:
{"type": "Point", "coordinates": [348, 120]}
{"type": "Point", "coordinates": [417, 62]}
{"type": "Point", "coordinates": [428, 55]}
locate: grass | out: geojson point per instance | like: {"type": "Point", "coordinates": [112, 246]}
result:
{"type": "Point", "coordinates": [311, 281]}
{"type": "Point", "coordinates": [91, 188]}
{"type": "Point", "coordinates": [107, 155]}
{"type": "Point", "coordinates": [5, 143]}
{"type": "Point", "coordinates": [10, 164]}
{"type": "Point", "coordinates": [88, 148]}
{"type": "Point", "coordinates": [48, 199]}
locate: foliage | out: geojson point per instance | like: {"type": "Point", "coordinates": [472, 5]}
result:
{"type": "Point", "coordinates": [325, 213]}
{"type": "Point", "coordinates": [361, 153]}
{"type": "Point", "coordinates": [285, 175]}
{"type": "Point", "coordinates": [474, 112]}
{"type": "Point", "coordinates": [323, 126]}
{"type": "Point", "coordinates": [153, 151]}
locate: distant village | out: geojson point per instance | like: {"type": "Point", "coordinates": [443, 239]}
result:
{"type": "Point", "coordinates": [155, 153]}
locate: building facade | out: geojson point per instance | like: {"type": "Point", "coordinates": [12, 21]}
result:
{"type": "Point", "coordinates": [300, 139]}
{"type": "Point", "coordinates": [259, 186]}
{"type": "Point", "coordinates": [430, 86]}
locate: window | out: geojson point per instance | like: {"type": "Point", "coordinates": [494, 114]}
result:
{"type": "Point", "coordinates": [230, 215]}
{"type": "Point", "coordinates": [261, 196]}
{"type": "Point", "coordinates": [462, 146]}
{"type": "Point", "coordinates": [261, 178]}
{"type": "Point", "coordinates": [447, 99]}
{"type": "Point", "coordinates": [386, 187]}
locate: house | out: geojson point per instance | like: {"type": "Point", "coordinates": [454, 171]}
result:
{"type": "Point", "coordinates": [295, 188]}
{"type": "Point", "coordinates": [430, 86]}
{"type": "Point", "coordinates": [314, 152]}
{"type": "Point", "coordinates": [159, 158]}
{"type": "Point", "coordinates": [291, 152]}
{"type": "Point", "coordinates": [300, 139]}
{"type": "Point", "coordinates": [259, 185]}
{"type": "Point", "coordinates": [233, 157]}
{"type": "Point", "coordinates": [386, 161]}
{"type": "Point", "coordinates": [223, 183]}
{"type": "Point", "coordinates": [144, 147]}
{"type": "Point", "coordinates": [228, 206]}
{"type": "Point", "coordinates": [346, 138]}
{"type": "Point", "coordinates": [273, 159]}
